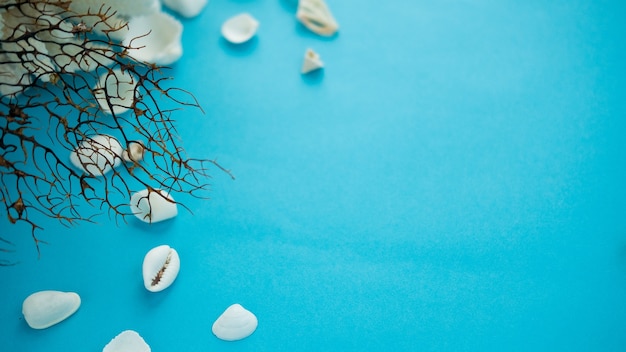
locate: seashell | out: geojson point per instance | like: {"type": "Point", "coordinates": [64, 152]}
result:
{"type": "Point", "coordinates": [134, 151]}
{"type": "Point", "coordinates": [155, 38]}
{"type": "Point", "coordinates": [153, 205]}
{"type": "Point", "coordinates": [311, 62]}
{"type": "Point", "coordinates": [119, 87]}
{"type": "Point", "coordinates": [235, 323]}
{"type": "Point", "coordinates": [97, 155]}
{"type": "Point", "coordinates": [186, 8]}
{"type": "Point", "coordinates": [160, 268]}
{"type": "Point", "coordinates": [240, 28]}
{"type": "Point", "coordinates": [127, 341]}
{"type": "Point", "coordinates": [45, 308]}
{"type": "Point", "coordinates": [315, 15]}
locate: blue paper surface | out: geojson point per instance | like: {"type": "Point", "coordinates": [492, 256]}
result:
{"type": "Point", "coordinates": [452, 180]}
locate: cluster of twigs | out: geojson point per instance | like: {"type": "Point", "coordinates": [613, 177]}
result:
{"type": "Point", "coordinates": [50, 63]}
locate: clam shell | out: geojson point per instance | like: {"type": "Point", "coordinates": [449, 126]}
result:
{"type": "Point", "coordinates": [240, 28]}
{"type": "Point", "coordinates": [119, 87]}
{"type": "Point", "coordinates": [127, 341]}
{"type": "Point", "coordinates": [155, 38]}
{"type": "Point", "coordinates": [311, 62]}
{"type": "Point", "coordinates": [97, 154]}
{"type": "Point", "coordinates": [160, 268]}
{"type": "Point", "coordinates": [186, 8]}
{"type": "Point", "coordinates": [150, 206]}
{"type": "Point", "coordinates": [315, 15]}
{"type": "Point", "coordinates": [235, 323]}
{"type": "Point", "coordinates": [45, 308]}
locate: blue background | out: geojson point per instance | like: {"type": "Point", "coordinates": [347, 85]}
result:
{"type": "Point", "coordinates": [453, 180]}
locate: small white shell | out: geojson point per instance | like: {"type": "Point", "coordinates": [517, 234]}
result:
{"type": "Point", "coordinates": [45, 308]}
{"type": "Point", "coordinates": [235, 323]}
{"type": "Point", "coordinates": [160, 268]}
{"type": "Point", "coordinates": [311, 62]}
{"type": "Point", "coordinates": [97, 155]}
{"type": "Point", "coordinates": [186, 8]}
{"type": "Point", "coordinates": [127, 341]}
{"type": "Point", "coordinates": [315, 15]}
{"type": "Point", "coordinates": [134, 151]}
{"type": "Point", "coordinates": [155, 38]}
{"type": "Point", "coordinates": [150, 206]}
{"type": "Point", "coordinates": [240, 28]}
{"type": "Point", "coordinates": [119, 87]}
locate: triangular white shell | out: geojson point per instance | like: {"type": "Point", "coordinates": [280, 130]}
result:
{"type": "Point", "coordinates": [157, 38]}
{"type": "Point", "coordinates": [97, 154]}
{"type": "Point", "coordinates": [149, 206]}
{"type": "Point", "coordinates": [119, 87]}
{"type": "Point", "coordinates": [311, 62]}
{"type": "Point", "coordinates": [235, 323]}
{"type": "Point", "coordinates": [315, 15]}
{"type": "Point", "coordinates": [240, 28]}
{"type": "Point", "coordinates": [127, 341]}
{"type": "Point", "coordinates": [45, 308]}
{"type": "Point", "coordinates": [186, 8]}
{"type": "Point", "coordinates": [161, 261]}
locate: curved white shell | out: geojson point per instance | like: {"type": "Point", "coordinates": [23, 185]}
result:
{"type": "Point", "coordinates": [240, 28]}
{"type": "Point", "coordinates": [155, 38]}
{"type": "Point", "coordinates": [97, 155]}
{"type": "Point", "coordinates": [119, 87]}
{"type": "Point", "coordinates": [127, 341]}
{"type": "Point", "coordinates": [134, 151]}
{"type": "Point", "coordinates": [315, 15]}
{"type": "Point", "coordinates": [235, 323]}
{"type": "Point", "coordinates": [160, 268]}
{"type": "Point", "coordinates": [311, 62]}
{"type": "Point", "coordinates": [45, 308]}
{"type": "Point", "coordinates": [150, 206]}
{"type": "Point", "coordinates": [186, 8]}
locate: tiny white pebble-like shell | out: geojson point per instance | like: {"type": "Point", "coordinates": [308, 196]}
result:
{"type": "Point", "coordinates": [45, 308]}
{"type": "Point", "coordinates": [150, 206]}
{"type": "Point", "coordinates": [97, 154]}
{"type": "Point", "coordinates": [127, 341]}
{"type": "Point", "coordinates": [312, 61]}
{"type": "Point", "coordinates": [235, 323]}
{"type": "Point", "coordinates": [240, 28]}
{"type": "Point", "coordinates": [161, 261]}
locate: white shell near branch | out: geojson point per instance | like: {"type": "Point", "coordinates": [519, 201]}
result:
{"type": "Point", "coordinates": [97, 155]}
{"type": "Point", "coordinates": [311, 62]}
{"type": "Point", "coordinates": [315, 15]}
{"type": "Point", "coordinates": [186, 8]}
{"type": "Point", "coordinates": [160, 268]}
{"type": "Point", "coordinates": [235, 323]}
{"type": "Point", "coordinates": [115, 91]}
{"type": "Point", "coordinates": [155, 38]}
{"type": "Point", "coordinates": [134, 152]}
{"type": "Point", "coordinates": [240, 28]}
{"type": "Point", "coordinates": [45, 308]}
{"type": "Point", "coordinates": [127, 341]}
{"type": "Point", "coordinates": [153, 205]}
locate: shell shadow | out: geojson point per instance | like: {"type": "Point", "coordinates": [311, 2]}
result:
{"type": "Point", "coordinates": [313, 77]}
{"type": "Point", "coordinates": [239, 50]}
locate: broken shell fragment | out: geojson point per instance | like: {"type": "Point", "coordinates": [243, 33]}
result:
{"type": "Point", "coordinates": [160, 268]}
{"type": "Point", "coordinates": [134, 151]}
{"type": "Point", "coordinates": [155, 38]}
{"type": "Point", "coordinates": [115, 91]}
{"type": "Point", "coordinates": [235, 323]}
{"type": "Point", "coordinates": [186, 8]}
{"type": "Point", "coordinates": [97, 155]}
{"type": "Point", "coordinates": [153, 205]}
{"type": "Point", "coordinates": [45, 308]}
{"type": "Point", "coordinates": [240, 28]}
{"type": "Point", "coordinates": [311, 62]}
{"type": "Point", "coordinates": [127, 340]}
{"type": "Point", "coordinates": [315, 15]}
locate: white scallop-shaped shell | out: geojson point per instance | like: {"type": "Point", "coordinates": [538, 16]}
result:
{"type": "Point", "coordinates": [240, 28]}
{"type": "Point", "coordinates": [127, 341]}
{"type": "Point", "coordinates": [186, 8]}
{"type": "Point", "coordinates": [311, 62]}
{"type": "Point", "coordinates": [155, 38]}
{"type": "Point", "coordinates": [160, 268]}
{"type": "Point", "coordinates": [97, 154]}
{"type": "Point", "coordinates": [153, 206]}
{"type": "Point", "coordinates": [45, 308]}
{"type": "Point", "coordinates": [235, 323]}
{"type": "Point", "coordinates": [115, 91]}
{"type": "Point", "coordinates": [315, 15]}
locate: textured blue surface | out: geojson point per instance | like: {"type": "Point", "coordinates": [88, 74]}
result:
{"type": "Point", "coordinates": [453, 180]}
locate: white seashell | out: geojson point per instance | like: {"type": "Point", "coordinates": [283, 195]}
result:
{"type": "Point", "coordinates": [134, 151]}
{"type": "Point", "coordinates": [235, 323]}
{"type": "Point", "coordinates": [186, 8]}
{"type": "Point", "coordinates": [240, 28]}
{"type": "Point", "coordinates": [160, 268]}
{"type": "Point", "coordinates": [150, 206]}
{"type": "Point", "coordinates": [119, 87]}
{"type": "Point", "coordinates": [315, 15]}
{"type": "Point", "coordinates": [311, 62]}
{"type": "Point", "coordinates": [127, 341]}
{"type": "Point", "coordinates": [45, 308]}
{"type": "Point", "coordinates": [155, 38]}
{"type": "Point", "coordinates": [97, 155]}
